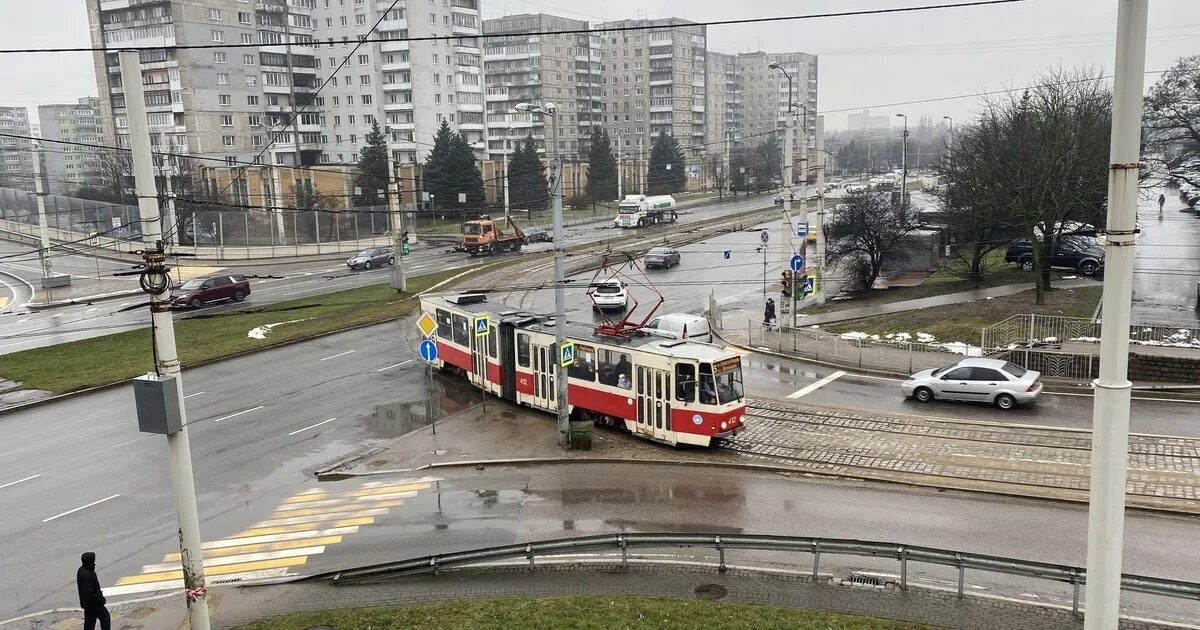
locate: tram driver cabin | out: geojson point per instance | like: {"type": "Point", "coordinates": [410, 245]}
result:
{"type": "Point", "coordinates": [674, 391]}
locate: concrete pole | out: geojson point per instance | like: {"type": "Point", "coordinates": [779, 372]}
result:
{"type": "Point", "coordinates": [505, 166]}
{"type": "Point", "coordinates": [787, 204]}
{"type": "Point", "coordinates": [398, 279]}
{"type": "Point", "coordinates": [169, 218]}
{"type": "Point", "coordinates": [728, 175]}
{"type": "Point", "coordinates": [620, 178]}
{"type": "Point", "coordinates": [819, 263]}
{"type": "Point", "coordinates": [179, 449]}
{"type": "Point", "coordinates": [904, 164]}
{"type": "Point", "coordinates": [560, 281]}
{"type": "Point", "coordinates": [43, 225]}
{"type": "Point", "coordinates": [1110, 413]}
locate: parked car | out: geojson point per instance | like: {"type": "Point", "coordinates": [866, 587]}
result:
{"type": "Point", "coordinates": [679, 326]}
{"type": "Point", "coordinates": [992, 381]}
{"type": "Point", "coordinates": [197, 292]}
{"type": "Point", "coordinates": [374, 257]}
{"type": "Point", "coordinates": [611, 294]}
{"type": "Point", "coordinates": [664, 257]}
{"type": "Point", "coordinates": [1070, 252]}
{"type": "Point", "coordinates": [538, 235]}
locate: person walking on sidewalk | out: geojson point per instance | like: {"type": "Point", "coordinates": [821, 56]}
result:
{"type": "Point", "coordinates": [1162, 200]}
{"type": "Point", "coordinates": [769, 314]}
{"type": "Point", "coordinates": [91, 598]}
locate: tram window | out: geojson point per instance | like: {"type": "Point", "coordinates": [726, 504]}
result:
{"type": "Point", "coordinates": [584, 367]}
{"type": "Point", "coordinates": [708, 387]}
{"type": "Point", "coordinates": [522, 349]}
{"type": "Point", "coordinates": [462, 332]}
{"type": "Point", "coordinates": [685, 382]}
{"type": "Point", "coordinates": [613, 365]}
{"type": "Point", "coordinates": [443, 324]}
{"type": "Point", "coordinates": [493, 345]}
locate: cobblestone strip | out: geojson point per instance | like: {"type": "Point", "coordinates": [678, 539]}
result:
{"type": "Point", "coordinates": [839, 442]}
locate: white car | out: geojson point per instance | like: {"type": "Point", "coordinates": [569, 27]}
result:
{"type": "Point", "coordinates": [991, 381]}
{"type": "Point", "coordinates": [609, 295]}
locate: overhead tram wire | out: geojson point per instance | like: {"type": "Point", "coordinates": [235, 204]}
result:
{"type": "Point", "coordinates": [610, 29]}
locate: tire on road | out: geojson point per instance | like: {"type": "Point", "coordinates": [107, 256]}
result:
{"type": "Point", "coordinates": [196, 303]}
{"type": "Point", "coordinates": [1026, 264]}
{"type": "Point", "coordinates": [1088, 268]}
{"type": "Point", "coordinates": [1005, 401]}
{"type": "Point", "coordinates": [391, 260]}
{"type": "Point", "coordinates": [239, 296]}
{"type": "Point", "coordinates": [367, 265]}
{"type": "Point", "coordinates": [923, 394]}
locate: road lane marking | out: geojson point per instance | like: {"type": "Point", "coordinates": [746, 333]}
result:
{"type": "Point", "coordinates": [13, 483]}
{"type": "Point", "coordinates": [359, 501]}
{"type": "Point", "coordinates": [394, 365]}
{"type": "Point", "coordinates": [305, 544]}
{"type": "Point", "coordinates": [242, 559]}
{"type": "Point", "coordinates": [222, 570]}
{"type": "Point", "coordinates": [82, 507]}
{"type": "Point", "coordinates": [301, 510]}
{"type": "Point", "coordinates": [234, 415]}
{"type": "Point", "coordinates": [305, 538]}
{"type": "Point", "coordinates": [311, 427]}
{"type": "Point", "coordinates": [366, 492]}
{"type": "Point", "coordinates": [305, 527]}
{"type": "Point", "coordinates": [196, 394]}
{"type": "Point", "coordinates": [340, 355]}
{"type": "Point", "coordinates": [817, 385]}
{"type": "Point", "coordinates": [320, 517]}
{"type": "Point", "coordinates": [1170, 400]}
{"type": "Point", "coordinates": [3, 303]}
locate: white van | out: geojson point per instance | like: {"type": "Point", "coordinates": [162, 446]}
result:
{"type": "Point", "coordinates": [680, 326]}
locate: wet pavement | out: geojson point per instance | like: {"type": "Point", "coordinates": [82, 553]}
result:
{"type": "Point", "coordinates": [1166, 268]}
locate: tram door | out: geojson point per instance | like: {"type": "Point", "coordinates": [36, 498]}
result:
{"type": "Point", "coordinates": [543, 376]}
{"type": "Point", "coordinates": [479, 361]}
{"type": "Point", "coordinates": [654, 403]}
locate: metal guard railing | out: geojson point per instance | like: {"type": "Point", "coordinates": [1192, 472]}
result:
{"type": "Point", "coordinates": [623, 543]}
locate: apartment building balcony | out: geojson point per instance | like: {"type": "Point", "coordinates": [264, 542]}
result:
{"type": "Point", "coordinates": [398, 86]}
{"type": "Point", "coordinates": [465, 31]}
{"type": "Point", "coordinates": [109, 5]}
{"type": "Point", "coordinates": [393, 46]}
{"type": "Point", "coordinates": [397, 107]}
{"type": "Point", "coordinates": [280, 89]}
{"type": "Point", "coordinates": [393, 25]}
{"type": "Point", "coordinates": [470, 107]}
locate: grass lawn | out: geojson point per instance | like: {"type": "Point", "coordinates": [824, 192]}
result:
{"type": "Point", "coordinates": [101, 360]}
{"type": "Point", "coordinates": [599, 613]}
{"type": "Point", "coordinates": [940, 283]}
{"type": "Point", "coordinates": [963, 322]}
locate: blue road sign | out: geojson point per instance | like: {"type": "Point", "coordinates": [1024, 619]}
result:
{"type": "Point", "coordinates": [428, 351]}
{"type": "Point", "coordinates": [764, 237]}
{"type": "Point", "coordinates": [797, 263]}
{"type": "Point", "coordinates": [481, 325]}
{"type": "Point", "coordinates": [801, 229]}
{"type": "Point", "coordinates": [566, 353]}
{"type": "Point", "coordinates": [728, 253]}
{"type": "Point", "coordinates": [808, 285]}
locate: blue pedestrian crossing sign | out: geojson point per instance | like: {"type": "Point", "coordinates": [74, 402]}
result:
{"type": "Point", "coordinates": [797, 263]}
{"type": "Point", "coordinates": [481, 325]}
{"type": "Point", "coordinates": [566, 354]}
{"type": "Point", "coordinates": [809, 283]}
{"type": "Point", "coordinates": [728, 254]}
{"type": "Point", "coordinates": [428, 351]}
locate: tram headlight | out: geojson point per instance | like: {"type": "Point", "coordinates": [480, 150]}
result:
{"type": "Point", "coordinates": [724, 426]}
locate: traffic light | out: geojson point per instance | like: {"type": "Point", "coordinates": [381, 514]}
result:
{"type": "Point", "coordinates": [404, 243]}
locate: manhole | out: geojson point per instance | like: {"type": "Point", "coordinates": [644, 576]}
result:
{"type": "Point", "coordinates": [867, 580]}
{"type": "Point", "coordinates": [710, 592]}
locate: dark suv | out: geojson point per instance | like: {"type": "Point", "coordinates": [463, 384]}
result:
{"type": "Point", "coordinates": [1077, 253]}
{"type": "Point", "coordinates": [200, 291]}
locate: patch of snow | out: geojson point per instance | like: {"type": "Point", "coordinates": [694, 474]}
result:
{"type": "Point", "coordinates": [261, 332]}
{"type": "Point", "coordinates": [925, 338]}
{"type": "Point", "coordinates": [1051, 340]}
{"type": "Point", "coordinates": [1070, 277]}
{"type": "Point", "coordinates": [854, 336]}
{"type": "Point", "coordinates": [989, 298]}
{"type": "Point", "coordinates": [964, 349]}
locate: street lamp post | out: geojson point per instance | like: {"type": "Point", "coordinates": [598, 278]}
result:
{"type": "Point", "coordinates": [788, 181]}
{"type": "Point", "coordinates": [560, 307]}
{"type": "Point", "coordinates": [904, 164]}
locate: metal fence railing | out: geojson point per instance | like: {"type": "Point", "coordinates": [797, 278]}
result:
{"type": "Point", "coordinates": [1030, 329]}
{"type": "Point", "coordinates": [1053, 363]}
{"type": "Point", "coordinates": [857, 351]}
{"type": "Point", "coordinates": [723, 544]}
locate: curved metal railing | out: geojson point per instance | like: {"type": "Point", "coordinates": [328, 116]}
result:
{"type": "Point", "coordinates": [817, 547]}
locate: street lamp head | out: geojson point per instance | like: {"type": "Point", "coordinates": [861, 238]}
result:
{"type": "Point", "coordinates": [947, 118]}
{"type": "Point", "coordinates": [901, 116]}
{"type": "Point", "coordinates": [523, 107]}
{"type": "Point", "coordinates": [774, 65]}
{"type": "Point", "coordinates": [549, 108]}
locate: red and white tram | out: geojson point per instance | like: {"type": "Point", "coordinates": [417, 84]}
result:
{"type": "Point", "coordinates": [673, 391]}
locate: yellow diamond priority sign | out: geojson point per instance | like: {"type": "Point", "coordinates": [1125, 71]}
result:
{"type": "Point", "coordinates": [426, 325]}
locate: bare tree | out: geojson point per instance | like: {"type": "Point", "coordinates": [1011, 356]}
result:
{"type": "Point", "coordinates": [867, 232]}
{"type": "Point", "coordinates": [1171, 125]}
{"type": "Point", "coordinates": [1033, 164]}
{"type": "Point", "coordinates": [716, 166]}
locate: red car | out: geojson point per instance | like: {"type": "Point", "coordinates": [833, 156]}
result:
{"type": "Point", "coordinates": [200, 291]}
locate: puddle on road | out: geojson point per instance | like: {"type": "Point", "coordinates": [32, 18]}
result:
{"type": "Point", "coordinates": [392, 420]}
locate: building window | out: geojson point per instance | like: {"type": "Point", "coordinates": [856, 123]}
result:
{"type": "Point", "coordinates": [252, 100]}
{"type": "Point", "coordinates": [226, 120]}
{"type": "Point", "coordinates": [350, 119]}
{"type": "Point", "coordinates": [360, 19]}
{"type": "Point", "coordinates": [249, 60]}
{"type": "Point", "coordinates": [353, 138]}
{"type": "Point", "coordinates": [214, 14]}
{"type": "Point", "coordinates": [251, 80]}
{"type": "Point", "coordinates": [364, 59]}
{"type": "Point", "coordinates": [218, 36]}
{"type": "Point", "coordinates": [243, 17]}
{"type": "Point", "coordinates": [366, 99]}
{"type": "Point", "coordinates": [222, 78]}
{"type": "Point", "coordinates": [350, 101]}
{"type": "Point", "coordinates": [247, 38]}
{"type": "Point", "coordinates": [254, 120]}
{"type": "Point", "coordinates": [344, 20]}
{"type": "Point", "coordinates": [224, 99]}
{"type": "Point", "coordinates": [256, 141]}
{"type": "Point", "coordinates": [228, 140]}
{"type": "Point", "coordinates": [433, 18]}
{"type": "Point", "coordinates": [219, 57]}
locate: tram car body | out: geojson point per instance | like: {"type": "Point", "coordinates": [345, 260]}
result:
{"type": "Point", "coordinates": [673, 391]}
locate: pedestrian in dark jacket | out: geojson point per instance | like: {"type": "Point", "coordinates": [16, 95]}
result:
{"type": "Point", "coordinates": [91, 598]}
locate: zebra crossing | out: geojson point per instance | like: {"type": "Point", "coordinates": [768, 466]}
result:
{"type": "Point", "coordinates": [305, 524]}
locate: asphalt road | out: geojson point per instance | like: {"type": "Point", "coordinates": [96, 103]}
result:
{"type": "Point", "coordinates": [1166, 263]}
{"type": "Point", "coordinates": [21, 329]}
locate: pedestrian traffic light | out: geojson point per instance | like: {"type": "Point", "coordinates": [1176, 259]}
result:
{"type": "Point", "coordinates": [404, 248]}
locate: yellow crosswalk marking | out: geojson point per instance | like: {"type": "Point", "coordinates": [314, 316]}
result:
{"type": "Point", "coordinates": [225, 570]}
{"type": "Point", "coordinates": [301, 527]}
{"type": "Point", "coordinates": [318, 518]}
{"type": "Point", "coordinates": [365, 492]}
{"type": "Point", "coordinates": [281, 545]}
{"type": "Point", "coordinates": [338, 508]}
{"type": "Point", "coordinates": [361, 502]}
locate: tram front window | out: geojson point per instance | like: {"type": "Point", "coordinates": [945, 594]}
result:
{"type": "Point", "coordinates": [727, 375]}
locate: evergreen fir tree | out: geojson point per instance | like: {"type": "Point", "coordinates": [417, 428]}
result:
{"type": "Point", "coordinates": [663, 180]}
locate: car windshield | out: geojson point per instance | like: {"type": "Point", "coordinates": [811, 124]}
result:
{"type": "Point", "coordinates": [365, 253]}
{"type": "Point", "coordinates": [608, 288]}
{"type": "Point", "coordinates": [630, 209]}
{"type": "Point", "coordinates": [941, 369]}
{"type": "Point", "coordinates": [194, 283]}
{"type": "Point", "coordinates": [472, 228]}
{"type": "Point", "coordinates": [1014, 369]}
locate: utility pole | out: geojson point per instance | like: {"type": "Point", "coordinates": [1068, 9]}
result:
{"type": "Point", "coordinates": [620, 177]}
{"type": "Point", "coordinates": [788, 179]}
{"type": "Point", "coordinates": [43, 224]}
{"type": "Point", "coordinates": [398, 280]}
{"type": "Point", "coordinates": [1110, 411]}
{"type": "Point", "coordinates": [167, 359]}
{"type": "Point", "coordinates": [904, 163]}
{"type": "Point", "coordinates": [169, 218]}
{"type": "Point", "coordinates": [819, 262]}
{"type": "Point", "coordinates": [505, 166]}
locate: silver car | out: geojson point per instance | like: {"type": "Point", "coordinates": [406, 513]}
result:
{"type": "Point", "coordinates": [375, 257]}
{"type": "Point", "coordinates": [993, 381]}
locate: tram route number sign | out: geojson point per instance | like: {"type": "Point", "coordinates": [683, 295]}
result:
{"type": "Point", "coordinates": [566, 354]}
{"type": "Point", "coordinates": [426, 325]}
{"type": "Point", "coordinates": [481, 325]}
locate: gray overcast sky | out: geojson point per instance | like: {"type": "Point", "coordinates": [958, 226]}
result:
{"type": "Point", "coordinates": [865, 61]}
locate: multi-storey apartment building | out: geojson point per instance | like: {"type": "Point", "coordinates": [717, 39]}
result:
{"type": "Point", "coordinates": [16, 154]}
{"type": "Point", "coordinates": [763, 108]}
{"type": "Point", "coordinates": [68, 166]}
{"type": "Point", "coordinates": [864, 121]}
{"type": "Point", "coordinates": [243, 104]}
{"type": "Point", "coordinates": [563, 69]}
{"type": "Point", "coordinates": [408, 87]}
{"type": "Point", "coordinates": [723, 103]}
{"type": "Point", "coordinates": [654, 80]}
